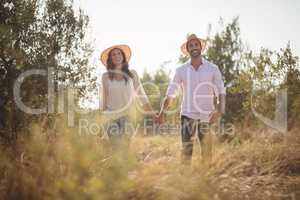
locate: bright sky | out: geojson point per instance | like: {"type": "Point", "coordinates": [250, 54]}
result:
{"type": "Point", "coordinates": [155, 29]}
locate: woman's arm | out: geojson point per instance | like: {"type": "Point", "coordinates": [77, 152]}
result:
{"type": "Point", "coordinates": [104, 92]}
{"type": "Point", "coordinates": [143, 98]}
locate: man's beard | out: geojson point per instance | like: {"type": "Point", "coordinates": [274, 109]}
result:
{"type": "Point", "coordinates": [195, 54]}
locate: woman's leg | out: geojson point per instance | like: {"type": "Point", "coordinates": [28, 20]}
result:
{"type": "Point", "coordinates": [117, 134]}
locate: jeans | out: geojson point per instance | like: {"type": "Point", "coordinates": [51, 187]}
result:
{"type": "Point", "coordinates": [117, 132]}
{"type": "Point", "coordinates": [188, 129]}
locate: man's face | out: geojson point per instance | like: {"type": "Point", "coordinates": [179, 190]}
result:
{"type": "Point", "coordinates": [194, 48]}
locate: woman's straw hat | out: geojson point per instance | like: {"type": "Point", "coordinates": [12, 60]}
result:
{"type": "Point", "coordinates": [125, 48]}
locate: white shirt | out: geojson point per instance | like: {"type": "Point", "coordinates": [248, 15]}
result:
{"type": "Point", "coordinates": [200, 87]}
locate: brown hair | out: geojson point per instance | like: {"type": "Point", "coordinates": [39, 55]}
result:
{"type": "Point", "coordinates": [125, 67]}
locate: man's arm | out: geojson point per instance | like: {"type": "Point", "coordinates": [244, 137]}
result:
{"type": "Point", "coordinates": [171, 94]}
{"type": "Point", "coordinates": [167, 101]}
{"type": "Point", "coordinates": [221, 104]}
{"type": "Point", "coordinates": [221, 93]}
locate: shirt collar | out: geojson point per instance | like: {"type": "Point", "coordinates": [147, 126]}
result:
{"type": "Point", "coordinates": [191, 66]}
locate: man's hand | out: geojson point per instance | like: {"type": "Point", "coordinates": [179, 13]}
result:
{"type": "Point", "coordinates": [214, 116]}
{"type": "Point", "coordinates": [159, 118]}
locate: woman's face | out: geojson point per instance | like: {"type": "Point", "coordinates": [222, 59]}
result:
{"type": "Point", "coordinates": [117, 58]}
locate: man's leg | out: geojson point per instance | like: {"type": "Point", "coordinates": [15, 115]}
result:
{"type": "Point", "coordinates": [187, 129]}
{"type": "Point", "coordinates": [205, 138]}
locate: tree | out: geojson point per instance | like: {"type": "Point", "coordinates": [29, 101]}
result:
{"type": "Point", "coordinates": [288, 67]}
{"type": "Point", "coordinates": [227, 51]}
{"type": "Point", "coordinates": [43, 35]}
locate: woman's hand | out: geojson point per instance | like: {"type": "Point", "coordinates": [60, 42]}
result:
{"type": "Point", "coordinates": [149, 111]}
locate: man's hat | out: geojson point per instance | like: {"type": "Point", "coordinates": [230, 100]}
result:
{"type": "Point", "coordinates": [193, 37]}
{"type": "Point", "coordinates": [125, 48]}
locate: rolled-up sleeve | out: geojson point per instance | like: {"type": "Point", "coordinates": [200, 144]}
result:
{"type": "Point", "coordinates": [218, 81]}
{"type": "Point", "coordinates": [174, 85]}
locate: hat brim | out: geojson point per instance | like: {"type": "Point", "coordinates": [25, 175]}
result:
{"type": "Point", "coordinates": [125, 48]}
{"type": "Point", "coordinates": [185, 51]}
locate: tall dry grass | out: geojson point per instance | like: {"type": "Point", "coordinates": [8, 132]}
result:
{"type": "Point", "coordinates": [60, 164]}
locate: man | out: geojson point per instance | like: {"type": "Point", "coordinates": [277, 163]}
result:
{"type": "Point", "coordinates": [202, 83]}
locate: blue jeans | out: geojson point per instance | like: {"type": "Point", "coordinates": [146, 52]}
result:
{"type": "Point", "coordinates": [188, 129]}
{"type": "Point", "coordinates": [118, 132]}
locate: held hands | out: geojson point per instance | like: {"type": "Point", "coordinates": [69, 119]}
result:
{"type": "Point", "coordinates": [159, 118]}
{"type": "Point", "coordinates": [156, 117]}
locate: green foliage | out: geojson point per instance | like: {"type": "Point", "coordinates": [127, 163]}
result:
{"type": "Point", "coordinates": [41, 35]}
{"type": "Point", "coordinates": [226, 51]}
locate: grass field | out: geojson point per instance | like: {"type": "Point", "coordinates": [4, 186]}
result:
{"type": "Point", "coordinates": [259, 166]}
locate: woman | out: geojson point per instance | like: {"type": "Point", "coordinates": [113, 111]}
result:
{"type": "Point", "coordinates": [120, 88]}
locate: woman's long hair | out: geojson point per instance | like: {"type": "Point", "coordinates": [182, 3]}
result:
{"type": "Point", "coordinates": [111, 67]}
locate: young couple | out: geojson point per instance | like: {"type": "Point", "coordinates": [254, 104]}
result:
{"type": "Point", "coordinates": [200, 81]}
